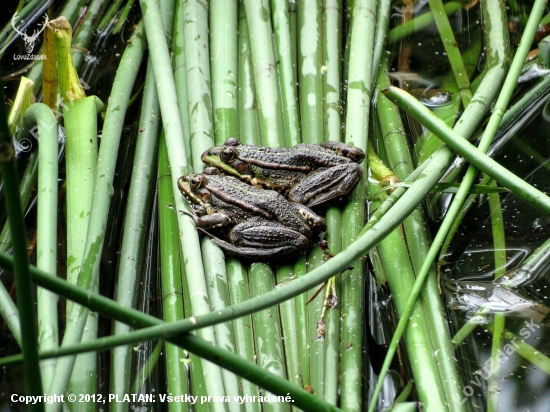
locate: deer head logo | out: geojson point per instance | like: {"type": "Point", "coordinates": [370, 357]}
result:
{"type": "Point", "coordinates": [29, 40]}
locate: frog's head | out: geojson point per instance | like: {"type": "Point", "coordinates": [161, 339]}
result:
{"type": "Point", "coordinates": [226, 158]}
{"type": "Point", "coordinates": [193, 188]}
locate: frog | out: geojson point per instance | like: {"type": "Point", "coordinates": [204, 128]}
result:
{"type": "Point", "coordinates": [315, 175]}
{"type": "Point", "coordinates": [258, 224]}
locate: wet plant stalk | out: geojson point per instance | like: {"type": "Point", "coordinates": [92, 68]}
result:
{"type": "Point", "coordinates": [287, 70]}
{"type": "Point", "coordinates": [237, 273]}
{"type": "Point", "coordinates": [135, 230]}
{"type": "Point", "coordinates": [357, 120]}
{"type": "Point", "coordinates": [451, 48]}
{"type": "Point", "coordinates": [172, 288]}
{"type": "Point", "coordinates": [223, 59]}
{"type": "Point", "coordinates": [265, 72]}
{"type": "Point", "coordinates": [332, 131]}
{"type": "Point", "coordinates": [41, 116]}
{"type": "Point", "coordinates": [310, 55]}
{"type": "Point", "coordinates": [33, 384]}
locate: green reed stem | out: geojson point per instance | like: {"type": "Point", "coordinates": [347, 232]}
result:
{"type": "Point", "coordinates": [172, 285]}
{"type": "Point", "coordinates": [40, 117]}
{"type": "Point", "coordinates": [108, 17]}
{"type": "Point", "coordinates": [224, 45]}
{"type": "Point", "coordinates": [452, 50]}
{"type": "Point", "coordinates": [287, 70]}
{"type": "Point", "coordinates": [264, 66]}
{"type": "Point", "coordinates": [357, 122]}
{"type": "Point", "coordinates": [123, 16]}
{"type": "Point", "coordinates": [138, 210]}
{"type": "Point", "coordinates": [33, 383]}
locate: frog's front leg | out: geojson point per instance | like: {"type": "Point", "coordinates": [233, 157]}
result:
{"type": "Point", "coordinates": [210, 221]}
{"type": "Point", "coordinates": [325, 185]}
{"type": "Point", "coordinates": [263, 240]}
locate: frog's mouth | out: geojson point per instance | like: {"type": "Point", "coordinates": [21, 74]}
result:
{"type": "Point", "coordinates": [190, 195]}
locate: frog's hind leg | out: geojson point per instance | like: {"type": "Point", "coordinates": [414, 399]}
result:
{"type": "Point", "coordinates": [326, 185]}
{"type": "Point", "coordinates": [256, 254]}
{"type": "Point", "coordinates": [262, 240]}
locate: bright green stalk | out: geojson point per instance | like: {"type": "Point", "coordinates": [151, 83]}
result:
{"type": "Point", "coordinates": [310, 54]}
{"type": "Point", "coordinates": [452, 50]}
{"type": "Point", "coordinates": [310, 61]}
{"type": "Point", "coordinates": [85, 32]}
{"type": "Point", "coordinates": [89, 271]}
{"type": "Point", "coordinates": [382, 19]}
{"type": "Point", "coordinates": [499, 246]}
{"type": "Point", "coordinates": [286, 69]}
{"type": "Point", "coordinates": [24, 293]}
{"type": "Point", "coordinates": [265, 73]}
{"type": "Point", "coordinates": [123, 16]}
{"type": "Point", "coordinates": [242, 326]}
{"type": "Point", "coordinates": [171, 279]}
{"type": "Point", "coordinates": [236, 272]}
{"type": "Point", "coordinates": [197, 58]}
{"type": "Point", "coordinates": [332, 131]}
{"type": "Point", "coordinates": [80, 114]}
{"type": "Point", "coordinates": [357, 118]}
{"type": "Point", "coordinates": [224, 44]}
{"type": "Point", "coordinates": [267, 329]}
{"type": "Point", "coordinates": [519, 107]}
{"type": "Point", "coordinates": [248, 112]}
{"type": "Point", "coordinates": [108, 17]}
{"type": "Point", "coordinates": [201, 130]}
{"type": "Point", "coordinates": [471, 153]}
{"type": "Point", "coordinates": [180, 78]}
{"type": "Point", "coordinates": [135, 230]}
{"type": "Point", "coordinates": [46, 249]}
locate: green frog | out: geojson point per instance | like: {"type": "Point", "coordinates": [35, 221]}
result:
{"type": "Point", "coordinates": [259, 224]}
{"type": "Point", "coordinates": [314, 175]}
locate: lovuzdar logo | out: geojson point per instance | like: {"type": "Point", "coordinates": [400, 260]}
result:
{"type": "Point", "coordinates": [29, 40]}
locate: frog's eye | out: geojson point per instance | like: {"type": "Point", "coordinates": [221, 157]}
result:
{"type": "Point", "coordinates": [228, 154]}
{"type": "Point", "coordinates": [233, 141]}
{"type": "Point", "coordinates": [197, 181]}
